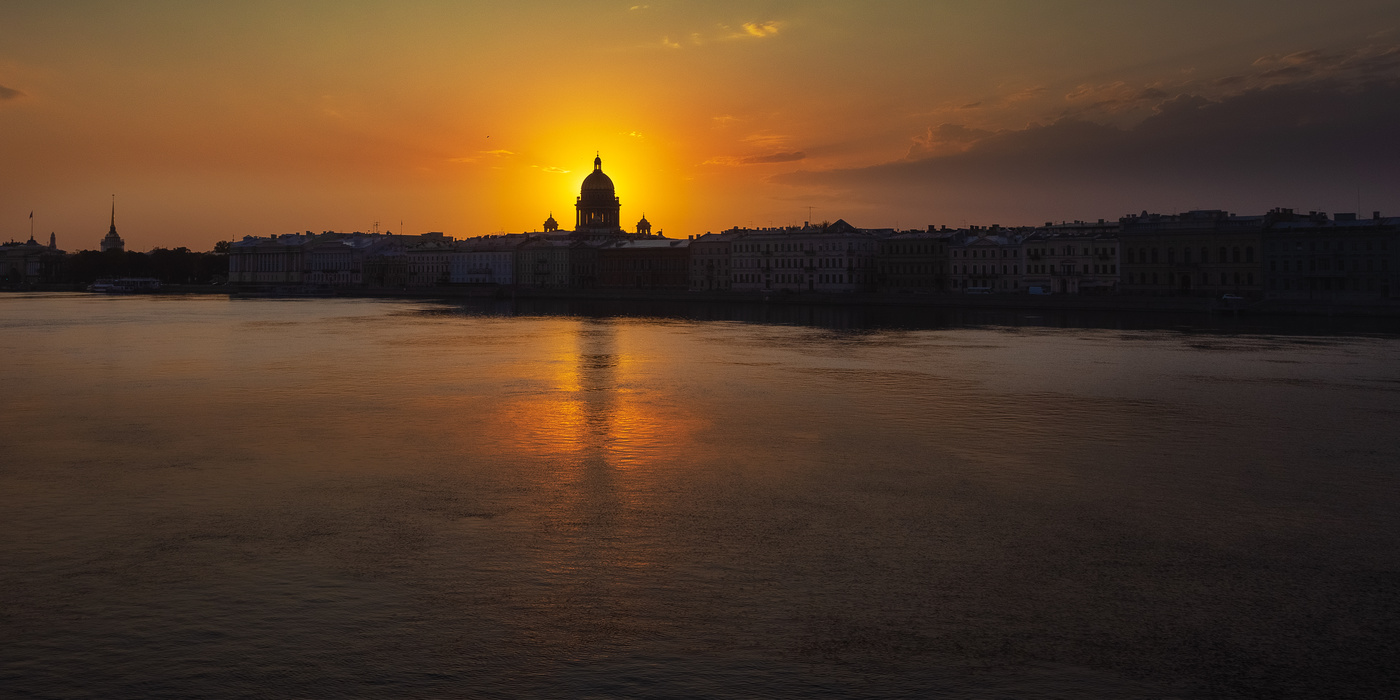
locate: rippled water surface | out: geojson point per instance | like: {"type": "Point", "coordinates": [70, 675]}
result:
{"type": "Point", "coordinates": [329, 498]}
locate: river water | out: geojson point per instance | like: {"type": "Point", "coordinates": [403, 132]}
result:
{"type": "Point", "coordinates": [209, 497]}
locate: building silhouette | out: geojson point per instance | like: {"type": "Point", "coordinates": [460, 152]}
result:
{"type": "Point", "coordinates": [599, 209]}
{"type": "Point", "coordinates": [112, 241]}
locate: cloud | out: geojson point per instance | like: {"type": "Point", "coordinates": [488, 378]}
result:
{"type": "Point", "coordinates": [1297, 64]}
{"type": "Point", "coordinates": [766, 140]}
{"type": "Point", "coordinates": [552, 169]}
{"type": "Point", "coordinates": [1112, 98]}
{"type": "Point", "coordinates": [1261, 147]}
{"type": "Point", "coordinates": [667, 43]}
{"type": "Point", "coordinates": [497, 152]}
{"type": "Point", "coordinates": [7, 93]}
{"type": "Point", "coordinates": [763, 159]}
{"type": "Point", "coordinates": [946, 139]}
{"type": "Point", "coordinates": [761, 29]}
{"type": "Point", "coordinates": [787, 157]}
{"type": "Point", "coordinates": [640, 7]}
{"type": "Point", "coordinates": [461, 159]}
{"type": "Point", "coordinates": [1358, 63]}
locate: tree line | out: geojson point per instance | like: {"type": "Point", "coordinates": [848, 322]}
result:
{"type": "Point", "coordinates": [169, 265]}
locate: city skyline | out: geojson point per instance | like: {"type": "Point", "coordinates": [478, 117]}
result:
{"type": "Point", "coordinates": [214, 123]}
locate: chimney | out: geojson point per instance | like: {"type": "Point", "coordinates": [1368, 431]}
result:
{"type": "Point", "coordinates": [1376, 215]}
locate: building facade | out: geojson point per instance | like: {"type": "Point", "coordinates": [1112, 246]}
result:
{"type": "Point", "coordinates": [429, 260]}
{"type": "Point", "coordinates": [487, 260]}
{"type": "Point", "coordinates": [913, 262]}
{"type": "Point", "coordinates": [544, 263]}
{"type": "Point", "coordinates": [30, 262]}
{"type": "Point", "coordinates": [1199, 253]}
{"type": "Point", "coordinates": [709, 262]}
{"type": "Point", "coordinates": [644, 264]}
{"type": "Point", "coordinates": [338, 260]}
{"type": "Point", "coordinates": [1069, 264]}
{"type": "Point", "coordinates": [1342, 258]}
{"type": "Point", "coordinates": [985, 261]}
{"type": "Point", "coordinates": [832, 258]}
{"type": "Point", "coordinates": [273, 261]}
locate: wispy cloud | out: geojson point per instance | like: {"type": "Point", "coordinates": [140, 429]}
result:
{"type": "Point", "coordinates": [498, 152]}
{"type": "Point", "coordinates": [552, 169]}
{"type": "Point", "coordinates": [7, 93]}
{"type": "Point", "coordinates": [761, 159]}
{"type": "Point", "coordinates": [767, 140]}
{"type": "Point", "coordinates": [946, 139]}
{"type": "Point", "coordinates": [761, 29]}
{"type": "Point", "coordinates": [461, 159]}
{"type": "Point", "coordinates": [640, 7]}
{"type": "Point", "coordinates": [667, 43]}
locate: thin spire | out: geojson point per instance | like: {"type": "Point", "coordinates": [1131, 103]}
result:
{"type": "Point", "coordinates": [114, 214]}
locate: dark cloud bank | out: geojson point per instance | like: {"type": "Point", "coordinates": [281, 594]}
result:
{"type": "Point", "coordinates": [1286, 145]}
{"type": "Point", "coordinates": [9, 93]}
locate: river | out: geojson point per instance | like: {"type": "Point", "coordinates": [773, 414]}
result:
{"type": "Point", "coordinates": [224, 498]}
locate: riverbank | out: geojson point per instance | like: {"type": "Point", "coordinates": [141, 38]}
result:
{"type": "Point", "coordinates": [1058, 302]}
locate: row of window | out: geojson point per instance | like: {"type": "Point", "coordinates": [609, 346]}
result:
{"type": "Point", "coordinates": [1324, 246]}
{"type": "Point", "coordinates": [798, 247]}
{"type": "Point", "coordinates": [908, 248]}
{"type": "Point", "coordinates": [794, 263]}
{"type": "Point", "coordinates": [798, 278]}
{"type": "Point", "coordinates": [1326, 285]}
{"type": "Point", "coordinates": [1143, 256]}
{"type": "Point", "coordinates": [1224, 278]}
{"type": "Point", "coordinates": [1325, 265]}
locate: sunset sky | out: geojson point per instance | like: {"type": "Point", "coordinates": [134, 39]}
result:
{"type": "Point", "coordinates": [212, 120]}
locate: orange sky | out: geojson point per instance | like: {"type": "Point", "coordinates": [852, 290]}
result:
{"type": "Point", "coordinates": [212, 121]}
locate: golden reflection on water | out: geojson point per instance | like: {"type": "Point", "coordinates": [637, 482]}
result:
{"type": "Point", "coordinates": [591, 400]}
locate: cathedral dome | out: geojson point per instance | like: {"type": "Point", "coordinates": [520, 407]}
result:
{"type": "Point", "coordinates": [597, 186]}
{"type": "Point", "coordinates": [598, 204]}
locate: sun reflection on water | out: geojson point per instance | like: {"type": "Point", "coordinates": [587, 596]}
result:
{"type": "Point", "coordinates": [592, 401]}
